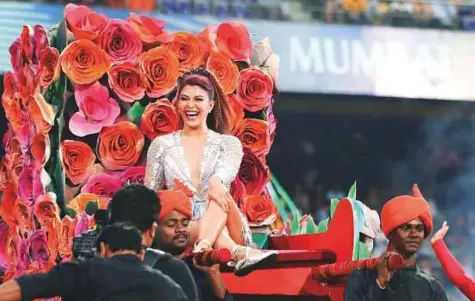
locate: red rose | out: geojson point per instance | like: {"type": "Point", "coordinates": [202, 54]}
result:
{"type": "Point", "coordinates": [125, 80]}
{"type": "Point", "coordinates": [103, 185]}
{"type": "Point", "coordinates": [254, 89]}
{"type": "Point", "coordinates": [234, 40]}
{"type": "Point", "coordinates": [159, 118]}
{"type": "Point", "coordinates": [237, 190]}
{"type": "Point", "coordinates": [259, 209]}
{"type": "Point", "coordinates": [50, 68]}
{"type": "Point", "coordinates": [253, 173]}
{"type": "Point", "coordinates": [120, 41]}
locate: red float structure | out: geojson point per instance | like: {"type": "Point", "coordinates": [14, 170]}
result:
{"type": "Point", "coordinates": [308, 267]}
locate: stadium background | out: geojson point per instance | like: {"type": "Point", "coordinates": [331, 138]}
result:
{"type": "Point", "coordinates": [374, 91]}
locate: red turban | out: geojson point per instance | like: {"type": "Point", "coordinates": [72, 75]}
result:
{"type": "Point", "coordinates": [178, 199]}
{"type": "Point", "coordinates": [403, 209]}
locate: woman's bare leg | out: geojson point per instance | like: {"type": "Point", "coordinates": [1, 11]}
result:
{"type": "Point", "coordinates": [211, 225]}
{"type": "Point", "coordinates": [234, 224]}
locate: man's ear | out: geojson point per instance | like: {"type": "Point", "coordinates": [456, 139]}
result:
{"type": "Point", "coordinates": [103, 250]}
{"type": "Point", "coordinates": [153, 230]}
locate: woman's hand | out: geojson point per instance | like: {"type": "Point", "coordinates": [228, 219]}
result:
{"type": "Point", "coordinates": [440, 233]}
{"type": "Point", "coordinates": [219, 194]}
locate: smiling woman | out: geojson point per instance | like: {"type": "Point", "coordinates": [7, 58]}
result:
{"type": "Point", "coordinates": [206, 159]}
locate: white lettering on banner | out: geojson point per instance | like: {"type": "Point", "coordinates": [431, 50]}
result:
{"type": "Point", "coordinates": [344, 56]}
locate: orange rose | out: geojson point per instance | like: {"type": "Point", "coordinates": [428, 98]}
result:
{"type": "Point", "coordinates": [159, 118]}
{"type": "Point", "coordinates": [207, 39]}
{"type": "Point", "coordinates": [76, 157]}
{"type": "Point", "coordinates": [68, 227]}
{"type": "Point", "coordinates": [225, 71]}
{"type": "Point", "coordinates": [79, 203]}
{"type": "Point", "coordinates": [149, 30]}
{"type": "Point", "coordinates": [254, 89]}
{"type": "Point", "coordinates": [41, 148]}
{"type": "Point", "coordinates": [259, 209]}
{"type": "Point", "coordinates": [46, 210]}
{"type": "Point", "coordinates": [234, 40]}
{"type": "Point", "coordinates": [84, 62]}
{"type": "Point", "coordinates": [37, 117]}
{"type": "Point", "coordinates": [188, 49]}
{"type": "Point", "coordinates": [49, 66]}
{"type": "Point", "coordinates": [83, 22]}
{"type": "Point", "coordinates": [160, 71]}
{"type": "Point", "coordinates": [124, 79]}
{"type": "Point", "coordinates": [253, 173]}
{"type": "Point", "coordinates": [237, 112]}
{"type": "Point", "coordinates": [254, 135]}
{"type": "Point", "coordinates": [120, 145]}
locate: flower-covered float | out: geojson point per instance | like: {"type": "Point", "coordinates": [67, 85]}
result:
{"type": "Point", "coordinates": [83, 102]}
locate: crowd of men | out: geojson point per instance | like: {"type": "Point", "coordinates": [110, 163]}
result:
{"type": "Point", "coordinates": [122, 265]}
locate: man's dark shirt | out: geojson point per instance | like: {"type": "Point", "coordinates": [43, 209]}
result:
{"type": "Point", "coordinates": [410, 284]}
{"type": "Point", "coordinates": [204, 288]}
{"type": "Point", "coordinates": [176, 270]}
{"type": "Point", "coordinates": [121, 278]}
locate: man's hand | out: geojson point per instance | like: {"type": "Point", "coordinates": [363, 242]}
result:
{"type": "Point", "coordinates": [214, 269]}
{"type": "Point", "coordinates": [440, 233]}
{"type": "Point", "coordinates": [383, 273]}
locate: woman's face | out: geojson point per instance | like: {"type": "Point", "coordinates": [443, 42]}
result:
{"type": "Point", "coordinates": [194, 106]}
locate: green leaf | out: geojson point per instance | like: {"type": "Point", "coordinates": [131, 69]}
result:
{"type": "Point", "coordinates": [261, 240]}
{"type": "Point", "coordinates": [91, 207]}
{"type": "Point", "coordinates": [135, 113]}
{"type": "Point", "coordinates": [294, 226]}
{"type": "Point", "coordinates": [333, 204]}
{"type": "Point", "coordinates": [352, 192]}
{"type": "Point", "coordinates": [323, 226]}
{"type": "Point", "coordinates": [311, 226]}
{"type": "Point", "coordinates": [70, 212]}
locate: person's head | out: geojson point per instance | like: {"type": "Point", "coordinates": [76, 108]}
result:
{"type": "Point", "coordinates": [119, 238]}
{"type": "Point", "coordinates": [139, 206]}
{"type": "Point", "coordinates": [201, 102]}
{"type": "Point", "coordinates": [408, 237]}
{"type": "Point", "coordinates": [406, 222]}
{"type": "Point", "coordinates": [173, 233]}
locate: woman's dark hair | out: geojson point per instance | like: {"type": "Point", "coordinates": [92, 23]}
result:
{"type": "Point", "coordinates": [120, 237]}
{"type": "Point", "coordinates": [219, 119]}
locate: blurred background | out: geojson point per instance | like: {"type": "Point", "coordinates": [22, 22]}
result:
{"type": "Point", "coordinates": [376, 91]}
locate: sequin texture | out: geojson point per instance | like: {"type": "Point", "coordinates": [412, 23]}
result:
{"type": "Point", "coordinates": [222, 156]}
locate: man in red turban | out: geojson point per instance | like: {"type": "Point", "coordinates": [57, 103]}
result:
{"type": "Point", "coordinates": [406, 221]}
{"type": "Point", "coordinates": [173, 236]}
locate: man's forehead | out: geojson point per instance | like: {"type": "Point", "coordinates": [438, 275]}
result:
{"type": "Point", "coordinates": [175, 215]}
{"type": "Point", "coordinates": [415, 222]}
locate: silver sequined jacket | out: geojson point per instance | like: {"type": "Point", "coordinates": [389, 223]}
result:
{"type": "Point", "coordinates": [222, 156]}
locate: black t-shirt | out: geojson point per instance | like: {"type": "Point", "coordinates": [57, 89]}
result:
{"type": "Point", "coordinates": [204, 288]}
{"type": "Point", "coordinates": [121, 278]}
{"type": "Point", "coordinates": [174, 268]}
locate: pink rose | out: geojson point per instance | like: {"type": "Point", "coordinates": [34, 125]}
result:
{"type": "Point", "coordinates": [96, 110]}
{"type": "Point", "coordinates": [120, 41]}
{"type": "Point", "coordinates": [29, 184]}
{"type": "Point", "coordinates": [39, 250]}
{"type": "Point", "coordinates": [4, 233]}
{"type": "Point", "coordinates": [83, 22]}
{"type": "Point", "coordinates": [84, 223]}
{"type": "Point", "coordinates": [133, 175]}
{"type": "Point", "coordinates": [103, 185]}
